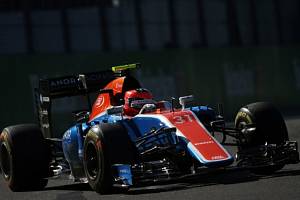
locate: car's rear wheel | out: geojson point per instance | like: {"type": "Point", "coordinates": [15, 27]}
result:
{"type": "Point", "coordinates": [24, 157]}
{"type": "Point", "coordinates": [270, 129]}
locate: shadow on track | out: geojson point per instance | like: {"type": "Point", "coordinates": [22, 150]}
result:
{"type": "Point", "coordinates": [71, 187]}
{"type": "Point", "coordinates": [232, 177]}
{"type": "Point", "coordinates": [220, 177]}
{"type": "Point", "coordinates": [282, 173]}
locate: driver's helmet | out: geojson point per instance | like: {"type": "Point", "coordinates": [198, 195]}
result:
{"type": "Point", "coordinates": [135, 100]}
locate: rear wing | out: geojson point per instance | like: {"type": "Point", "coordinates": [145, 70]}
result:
{"type": "Point", "coordinates": [73, 85]}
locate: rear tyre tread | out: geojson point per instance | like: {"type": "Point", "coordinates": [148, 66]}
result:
{"type": "Point", "coordinates": [24, 148]}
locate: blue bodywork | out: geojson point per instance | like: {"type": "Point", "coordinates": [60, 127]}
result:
{"type": "Point", "coordinates": [136, 127]}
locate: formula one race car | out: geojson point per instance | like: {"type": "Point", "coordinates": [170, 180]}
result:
{"type": "Point", "coordinates": [127, 139]}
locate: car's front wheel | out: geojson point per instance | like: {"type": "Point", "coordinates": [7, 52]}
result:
{"type": "Point", "coordinates": [270, 128]}
{"type": "Point", "coordinates": [106, 145]}
{"type": "Point", "coordinates": [96, 163]}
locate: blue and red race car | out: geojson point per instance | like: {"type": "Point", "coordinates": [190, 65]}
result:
{"type": "Point", "coordinates": [127, 138]}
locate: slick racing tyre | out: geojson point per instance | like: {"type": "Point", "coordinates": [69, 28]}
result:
{"type": "Point", "coordinates": [24, 157]}
{"type": "Point", "coordinates": [105, 145]}
{"type": "Point", "coordinates": [270, 128]}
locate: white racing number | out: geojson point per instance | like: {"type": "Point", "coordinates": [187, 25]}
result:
{"type": "Point", "coordinates": [182, 119]}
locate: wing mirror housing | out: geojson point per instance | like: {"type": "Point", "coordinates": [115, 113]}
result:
{"type": "Point", "coordinates": [148, 108]}
{"type": "Point", "coordinates": [185, 100]}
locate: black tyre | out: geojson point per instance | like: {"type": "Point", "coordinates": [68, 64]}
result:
{"type": "Point", "coordinates": [104, 146]}
{"type": "Point", "coordinates": [270, 128]}
{"type": "Point", "coordinates": [24, 157]}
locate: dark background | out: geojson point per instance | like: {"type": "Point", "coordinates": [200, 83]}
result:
{"type": "Point", "coordinates": [222, 51]}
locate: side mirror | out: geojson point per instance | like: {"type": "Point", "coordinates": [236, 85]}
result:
{"type": "Point", "coordinates": [183, 101]}
{"type": "Point", "coordinates": [147, 108]}
{"type": "Point", "coordinates": [115, 110]}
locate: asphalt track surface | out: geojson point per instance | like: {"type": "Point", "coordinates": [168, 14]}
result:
{"type": "Point", "coordinates": [235, 184]}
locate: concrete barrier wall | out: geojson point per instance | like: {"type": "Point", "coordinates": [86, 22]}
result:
{"type": "Point", "coordinates": [231, 76]}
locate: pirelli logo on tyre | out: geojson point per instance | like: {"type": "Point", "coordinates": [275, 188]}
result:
{"type": "Point", "coordinates": [4, 140]}
{"type": "Point", "coordinates": [93, 135]}
{"type": "Point", "coordinates": [243, 115]}
{"type": "Point", "coordinates": [4, 136]}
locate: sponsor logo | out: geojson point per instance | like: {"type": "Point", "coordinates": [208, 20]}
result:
{"type": "Point", "coordinates": [99, 101]}
{"type": "Point", "coordinates": [205, 142]}
{"type": "Point", "coordinates": [4, 140]}
{"type": "Point", "coordinates": [124, 171]}
{"type": "Point", "coordinates": [5, 136]}
{"type": "Point", "coordinates": [44, 99]}
{"type": "Point", "coordinates": [63, 82]}
{"type": "Point", "coordinates": [181, 119]}
{"type": "Point", "coordinates": [97, 77]}
{"type": "Point", "coordinates": [118, 86]}
{"type": "Point", "coordinates": [243, 115]}
{"type": "Point", "coordinates": [2, 136]}
{"type": "Point", "coordinates": [217, 157]}
{"type": "Point", "coordinates": [98, 144]}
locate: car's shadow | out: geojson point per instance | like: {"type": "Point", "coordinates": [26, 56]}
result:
{"type": "Point", "coordinates": [223, 177]}
{"type": "Point", "coordinates": [71, 187]}
{"type": "Point", "coordinates": [232, 177]}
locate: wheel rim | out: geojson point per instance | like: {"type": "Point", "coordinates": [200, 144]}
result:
{"type": "Point", "coordinates": [242, 124]}
{"type": "Point", "coordinates": [5, 161]}
{"type": "Point", "coordinates": [92, 161]}
{"type": "Point", "coordinates": [243, 138]}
